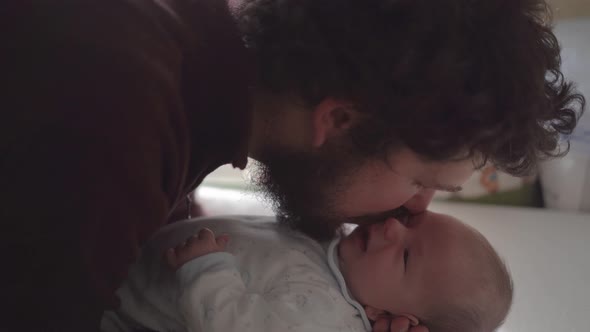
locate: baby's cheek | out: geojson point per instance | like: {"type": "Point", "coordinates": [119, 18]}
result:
{"type": "Point", "coordinates": [366, 275]}
{"type": "Point", "coordinates": [358, 289]}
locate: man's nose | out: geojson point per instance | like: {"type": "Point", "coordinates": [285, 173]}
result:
{"type": "Point", "coordinates": [419, 202]}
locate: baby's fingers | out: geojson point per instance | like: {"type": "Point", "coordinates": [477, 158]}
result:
{"type": "Point", "coordinates": [419, 328]}
{"type": "Point", "coordinates": [203, 237]}
{"type": "Point", "coordinates": [403, 324]}
{"type": "Point", "coordinates": [382, 325]}
{"type": "Point", "coordinates": [206, 234]}
{"type": "Point", "coordinates": [222, 241]}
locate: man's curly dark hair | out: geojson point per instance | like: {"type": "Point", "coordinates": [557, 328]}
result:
{"type": "Point", "coordinates": [440, 77]}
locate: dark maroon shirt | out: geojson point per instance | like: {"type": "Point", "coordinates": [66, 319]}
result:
{"type": "Point", "coordinates": [114, 111]}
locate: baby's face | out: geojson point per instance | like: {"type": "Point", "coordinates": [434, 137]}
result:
{"type": "Point", "coordinates": [407, 267]}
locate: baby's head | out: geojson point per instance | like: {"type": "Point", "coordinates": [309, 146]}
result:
{"type": "Point", "coordinates": [431, 268]}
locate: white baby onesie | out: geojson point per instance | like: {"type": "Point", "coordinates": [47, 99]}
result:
{"type": "Point", "coordinates": [270, 279]}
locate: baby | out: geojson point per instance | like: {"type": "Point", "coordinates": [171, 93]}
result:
{"type": "Point", "coordinates": [430, 268]}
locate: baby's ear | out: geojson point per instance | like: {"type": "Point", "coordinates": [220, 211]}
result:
{"type": "Point", "coordinates": [374, 313]}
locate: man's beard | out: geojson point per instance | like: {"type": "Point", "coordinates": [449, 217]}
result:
{"type": "Point", "coordinates": [303, 187]}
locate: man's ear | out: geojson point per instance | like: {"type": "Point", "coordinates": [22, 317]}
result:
{"type": "Point", "coordinates": [330, 118]}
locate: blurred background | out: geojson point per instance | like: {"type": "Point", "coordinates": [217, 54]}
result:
{"type": "Point", "coordinates": [562, 184]}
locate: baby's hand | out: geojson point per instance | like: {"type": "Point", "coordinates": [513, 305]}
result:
{"type": "Point", "coordinates": [198, 245]}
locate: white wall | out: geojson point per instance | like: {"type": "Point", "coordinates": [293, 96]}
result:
{"type": "Point", "coordinates": [566, 182]}
{"type": "Point", "coordinates": [574, 36]}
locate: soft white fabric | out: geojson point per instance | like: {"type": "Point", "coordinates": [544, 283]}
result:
{"type": "Point", "coordinates": [270, 279]}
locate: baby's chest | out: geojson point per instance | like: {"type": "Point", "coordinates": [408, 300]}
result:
{"type": "Point", "coordinates": [266, 266]}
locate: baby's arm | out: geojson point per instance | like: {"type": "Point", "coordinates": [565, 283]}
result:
{"type": "Point", "coordinates": [215, 298]}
